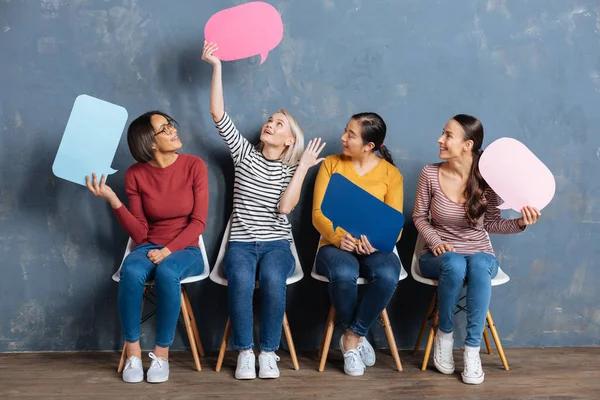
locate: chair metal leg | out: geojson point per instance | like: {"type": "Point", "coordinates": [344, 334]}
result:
{"type": "Point", "coordinates": [425, 322]}
{"type": "Point", "coordinates": [497, 340]}
{"type": "Point", "coordinates": [193, 319]}
{"type": "Point", "coordinates": [290, 341]}
{"type": "Point", "coordinates": [188, 327]}
{"type": "Point", "coordinates": [329, 326]}
{"type": "Point", "coordinates": [223, 345]}
{"type": "Point", "coordinates": [390, 337]}
{"type": "Point", "coordinates": [486, 338]}
{"type": "Point", "coordinates": [430, 339]}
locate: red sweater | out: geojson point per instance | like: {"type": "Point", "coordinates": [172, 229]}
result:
{"type": "Point", "coordinates": [167, 206]}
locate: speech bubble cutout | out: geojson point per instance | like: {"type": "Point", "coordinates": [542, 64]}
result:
{"type": "Point", "coordinates": [244, 31]}
{"type": "Point", "coordinates": [358, 212]}
{"type": "Point", "coordinates": [516, 175]}
{"type": "Point", "coordinates": [90, 139]}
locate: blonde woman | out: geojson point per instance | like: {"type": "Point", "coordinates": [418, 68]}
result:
{"type": "Point", "coordinates": [268, 181]}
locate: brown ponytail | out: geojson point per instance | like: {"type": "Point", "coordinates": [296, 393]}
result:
{"type": "Point", "coordinates": [373, 129]}
{"type": "Point", "coordinates": [476, 205]}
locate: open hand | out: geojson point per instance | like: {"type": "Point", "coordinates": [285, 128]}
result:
{"type": "Point", "coordinates": [207, 54]}
{"type": "Point", "coordinates": [309, 156]}
{"type": "Point", "coordinates": [102, 190]}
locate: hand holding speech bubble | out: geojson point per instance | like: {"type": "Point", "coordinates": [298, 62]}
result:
{"type": "Point", "coordinates": [516, 175]}
{"type": "Point", "coordinates": [90, 139]}
{"type": "Point", "coordinates": [245, 31]}
{"type": "Point", "coordinates": [358, 212]}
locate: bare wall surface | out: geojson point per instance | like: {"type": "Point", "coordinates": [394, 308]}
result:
{"type": "Point", "coordinates": [528, 69]}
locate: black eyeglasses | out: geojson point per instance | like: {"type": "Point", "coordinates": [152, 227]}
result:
{"type": "Point", "coordinates": [164, 130]}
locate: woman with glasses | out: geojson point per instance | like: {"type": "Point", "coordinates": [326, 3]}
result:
{"type": "Point", "coordinates": [168, 203]}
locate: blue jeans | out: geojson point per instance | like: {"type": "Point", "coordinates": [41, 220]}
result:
{"type": "Point", "coordinates": [239, 266]}
{"type": "Point", "coordinates": [451, 270]}
{"type": "Point", "coordinates": [343, 268]}
{"type": "Point", "coordinates": [137, 269]}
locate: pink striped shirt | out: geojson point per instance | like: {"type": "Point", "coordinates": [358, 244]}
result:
{"type": "Point", "coordinates": [441, 220]}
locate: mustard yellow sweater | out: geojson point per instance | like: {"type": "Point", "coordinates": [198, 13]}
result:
{"type": "Point", "coordinates": [384, 182]}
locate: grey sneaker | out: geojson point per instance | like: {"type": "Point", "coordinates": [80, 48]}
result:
{"type": "Point", "coordinates": [159, 370]}
{"type": "Point", "coordinates": [353, 364]}
{"type": "Point", "coordinates": [267, 363]}
{"type": "Point", "coordinates": [133, 371]}
{"type": "Point", "coordinates": [246, 365]}
{"type": "Point", "coordinates": [367, 353]}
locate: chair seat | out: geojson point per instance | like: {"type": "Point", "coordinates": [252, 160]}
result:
{"type": "Point", "coordinates": [131, 245]}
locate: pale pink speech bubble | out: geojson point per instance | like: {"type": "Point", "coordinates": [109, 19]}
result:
{"type": "Point", "coordinates": [516, 175]}
{"type": "Point", "coordinates": [245, 31]}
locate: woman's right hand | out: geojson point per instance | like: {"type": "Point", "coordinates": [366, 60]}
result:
{"type": "Point", "coordinates": [102, 190]}
{"type": "Point", "coordinates": [207, 54]}
{"type": "Point", "coordinates": [442, 248]}
{"type": "Point", "coordinates": [348, 243]}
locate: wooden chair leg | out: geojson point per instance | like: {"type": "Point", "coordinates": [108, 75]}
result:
{"type": "Point", "coordinates": [325, 331]}
{"type": "Point", "coordinates": [390, 337]}
{"type": "Point", "coordinates": [425, 322]}
{"type": "Point", "coordinates": [290, 341]}
{"type": "Point", "coordinates": [486, 338]}
{"type": "Point", "coordinates": [122, 361]}
{"type": "Point", "coordinates": [194, 324]}
{"type": "Point", "coordinates": [497, 340]}
{"type": "Point", "coordinates": [123, 352]}
{"type": "Point", "coordinates": [329, 326]}
{"type": "Point", "coordinates": [430, 339]}
{"type": "Point", "coordinates": [188, 327]}
{"type": "Point", "coordinates": [223, 345]}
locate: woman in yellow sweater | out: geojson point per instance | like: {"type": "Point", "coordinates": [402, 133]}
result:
{"type": "Point", "coordinates": [341, 257]}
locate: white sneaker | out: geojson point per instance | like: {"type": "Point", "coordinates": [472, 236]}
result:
{"type": "Point", "coordinates": [353, 364]}
{"type": "Point", "coordinates": [442, 353]}
{"type": "Point", "coordinates": [473, 372]}
{"type": "Point", "coordinates": [133, 371]}
{"type": "Point", "coordinates": [267, 363]}
{"type": "Point", "coordinates": [158, 371]}
{"type": "Point", "coordinates": [367, 353]}
{"type": "Point", "coordinates": [246, 365]}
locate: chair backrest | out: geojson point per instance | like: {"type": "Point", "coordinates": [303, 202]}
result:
{"type": "Point", "coordinates": [217, 276]}
{"type": "Point", "coordinates": [361, 280]}
{"type": "Point", "coordinates": [131, 245]}
{"type": "Point", "coordinates": [499, 279]}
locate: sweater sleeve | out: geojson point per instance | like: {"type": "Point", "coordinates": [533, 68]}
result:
{"type": "Point", "coordinates": [421, 211]}
{"type": "Point", "coordinates": [132, 220]}
{"type": "Point", "coordinates": [320, 221]}
{"type": "Point", "coordinates": [197, 221]}
{"type": "Point", "coordinates": [493, 221]}
{"type": "Point", "coordinates": [238, 145]}
{"type": "Point", "coordinates": [395, 194]}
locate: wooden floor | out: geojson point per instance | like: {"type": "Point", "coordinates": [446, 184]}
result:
{"type": "Point", "coordinates": [553, 373]}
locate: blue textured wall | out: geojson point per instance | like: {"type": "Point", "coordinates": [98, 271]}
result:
{"type": "Point", "coordinates": [527, 69]}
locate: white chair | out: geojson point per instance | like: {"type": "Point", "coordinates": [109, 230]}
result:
{"type": "Point", "coordinates": [186, 306]}
{"type": "Point", "coordinates": [432, 311]}
{"type": "Point", "coordinates": [218, 277]}
{"type": "Point", "coordinates": [330, 325]}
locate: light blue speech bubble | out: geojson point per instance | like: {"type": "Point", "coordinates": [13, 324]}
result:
{"type": "Point", "coordinates": [90, 139]}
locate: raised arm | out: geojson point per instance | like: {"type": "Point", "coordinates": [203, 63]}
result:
{"type": "Point", "coordinates": [217, 103]}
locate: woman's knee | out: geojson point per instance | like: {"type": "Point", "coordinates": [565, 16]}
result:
{"type": "Point", "coordinates": [132, 273]}
{"type": "Point", "coordinates": [453, 264]}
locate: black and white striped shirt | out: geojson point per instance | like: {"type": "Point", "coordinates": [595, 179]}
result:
{"type": "Point", "coordinates": [257, 189]}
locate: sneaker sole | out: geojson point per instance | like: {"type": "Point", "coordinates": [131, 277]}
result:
{"type": "Point", "coordinates": [266, 376]}
{"type": "Point", "coordinates": [369, 364]}
{"type": "Point", "coordinates": [445, 371]}
{"type": "Point", "coordinates": [161, 380]}
{"type": "Point", "coordinates": [354, 373]}
{"type": "Point", "coordinates": [474, 380]}
{"type": "Point", "coordinates": [245, 378]}
{"type": "Point", "coordinates": [134, 381]}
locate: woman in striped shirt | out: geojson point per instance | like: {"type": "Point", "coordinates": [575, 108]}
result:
{"type": "Point", "coordinates": [454, 211]}
{"type": "Point", "coordinates": [268, 181]}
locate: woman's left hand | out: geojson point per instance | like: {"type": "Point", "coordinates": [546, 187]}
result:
{"type": "Point", "coordinates": [531, 215]}
{"type": "Point", "coordinates": [364, 246]}
{"type": "Point", "coordinates": [310, 154]}
{"type": "Point", "coordinates": [157, 256]}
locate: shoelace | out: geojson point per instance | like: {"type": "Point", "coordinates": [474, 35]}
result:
{"type": "Point", "coordinates": [246, 361]}
{"type": "Point", "coordinates": [133, 362]}
{"type": "Point", "coordinates": [474, 361]}
{"type": "Point", "coordinates": [354, 358]}
{"type": "Point", "coordinates": [156, 361]}
{"type": "Point", "coordinates": [445, 354]}
{"type": "Point", "coordinates": [271, 358]}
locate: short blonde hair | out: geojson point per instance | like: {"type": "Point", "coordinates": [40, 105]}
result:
{"type": "Point", "coordinates": [291, 155]}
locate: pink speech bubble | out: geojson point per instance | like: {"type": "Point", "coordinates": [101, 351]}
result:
{"type": "Point", "coordinates": [245, 31]}
{"type": "Point", "coordinates": [516, 175]}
